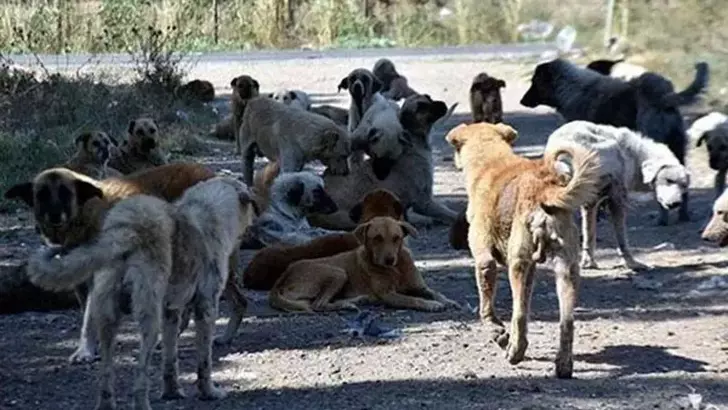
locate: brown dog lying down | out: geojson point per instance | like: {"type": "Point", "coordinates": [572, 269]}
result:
{"type": "Point", "coordinates": [366, 274]}
{"type": "Point", "coordinates": [270, 263]}
{"type": "Point", "coordinates": [521, 213]}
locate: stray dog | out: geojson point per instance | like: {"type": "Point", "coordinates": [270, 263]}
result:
{"type": "Point", "coordinates": [380, 135]}
{"type": "Point", "coordinates": [647, 104]}
{"type": "Point", "coordinates": [521, 213]}
{"type": "Point", "coordinates": [224, 130]}
{"type": "Point", "coordinates": [141, 149]}
{"type": "Point", "coordinates": [627, 162]}
{"type": "Point", "coordinates": [713, 130]}
{"type": "Point", "coordinates": [716, 230]}
{"type": "Point", "coordinates": [336, 114]}
{"type": "Point", "coordinates": [293, 195]}
{"type": "Point", "coordinates": [617, 69]}
{"type": "Point", "coordinates": [93, 151]}
{"type": "Point", "coordinates": [197, 90]}
{"type": "Point", "coordinates": [245, 88]}
{"type": "Point", "coordinates": [269, 264]}
{"type": "Point", "coordinates": [68, 212]}
{"type": "Point", "coordinates": [293, 98]}
{"type": "Point", "coordinates": [291, 137]}
{"type": "Point", "coordinates": [410, 178]}
{"type": "Point", "coordinates": [145, 246]}
{"type": "Point", "coordinates": [485, 99]}
{"type": "Point", "coordinates": [394, 86]}
{"type": "Point", "coordinates": [364, 90]}
{"type": "Point", "coordinates": [365, 274]}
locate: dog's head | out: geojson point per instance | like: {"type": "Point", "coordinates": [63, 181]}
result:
{"type": "Point", "coordinates": [717, 229]}
{"type": "Point", "coordinates": [96, 145]}
{"type": "Point", "coordinates": [486, 84]}
{"type": "Point", "coordinates": [361, 84]}
{"type": "Point", "coordinates": [333, 150]}
{"type": "Point", "coordinates": [669, 183]}
{"type": "Point", "coordinates": [245, 87]}
{"type": "Point", "coordinates": [382, 238]}
{"type": "Point", "coordinates": [201, 90]}
{"type": "Point", "coordinates": [290, 98]}
{"type": "Point", "coordinates": [380, 134]}
{"type": "Point", "coordinates": [712, 129]}
{"type": "Point", "coordinates": [542, 90]}
{"type": "Point", "coordinates": [419, 112]}
{"type": "Point", "coordinates": [481, 137]}
{"type": "Point", "coordinates": [379, 202]}
{"type": "Point", "coordinates": [56, 196]}
{"type": "Point", "coordinates": [304, 190]}
{"type": "Point", "coordinates": [384, 70]}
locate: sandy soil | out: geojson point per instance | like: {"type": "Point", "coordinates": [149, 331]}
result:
{"type": "Point", "coordinates": [642, 341]}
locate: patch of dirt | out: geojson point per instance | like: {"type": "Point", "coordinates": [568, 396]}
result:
{"type": "Point", "coordinates": [642, 341]}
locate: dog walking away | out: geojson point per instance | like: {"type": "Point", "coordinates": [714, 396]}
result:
{"type": "Point", "coordinates": [145, 244]}
{"type": "Point", "coordinates": [521, 214]}
{"type": "Point", "coordinates": [486, 104]}
{"type": "Point", "coordinates": [712, 130]}
{"type": "Point", "coordinates": [628, 162]}
{"type": "Point", "coordinates": [365, 274]}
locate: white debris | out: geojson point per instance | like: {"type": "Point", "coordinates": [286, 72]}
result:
{"type": "Point", "coordinates": [665, 246]}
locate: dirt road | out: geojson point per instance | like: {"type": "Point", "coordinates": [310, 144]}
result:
{"type": "Point", "coordinates": [642, 341]}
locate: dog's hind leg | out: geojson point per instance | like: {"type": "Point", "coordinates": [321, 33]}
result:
{"type": "Point", "coordinates": [719, 183]}
{"type": "Point", "coordinates": [238, 302]}
{"type": "Point", "coordinates": [520, 274]}
{"type": "Point", "coordinates": [147, 298]}
{"type": "Point", "coordinates": [619, 221]}
{"type": "Point", "coordinates": [567, 289]}
{"type": "Point", "coordinates": [86, 350]}
{"type": "Point", "coordinates": [206, 308]}
{"type": "Point", "coordinates": [436, 210]}
{"type": "Point", "coordinates": [334, 280]}
{"type": "Point", "coordinates": [589, 235]}
{"type": "Point", "coordinates": [248, 160]}
{"type": "Point", "coordinates": [171, 388]}
{"type": "Point", "coordinates": [105, 315]}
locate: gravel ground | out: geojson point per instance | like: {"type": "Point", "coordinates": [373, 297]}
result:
{"type": "Point", "coordinates": [643, 341]}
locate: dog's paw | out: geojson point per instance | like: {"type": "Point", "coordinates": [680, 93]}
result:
{"type": "Point", "coordinates": [564, 367]}
{"type": "Point", "coordinates": [173, 392]}
{"type": "Point", "coordinates": [516, 351]}
{"type": "Point", "coordinates": [83, 354]}
{"type": "Point", "coordinates": [212, 392]}
{"type": "Point", "coordinates": [635, 266]}
{"type": "Point", "coordinates": [454, 305]}
{"type": "Point", "coordinates": [588, 263]}
{"type": "Point", "coordinates": [433, 306]}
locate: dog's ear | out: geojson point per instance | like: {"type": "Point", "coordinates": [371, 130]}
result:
{"type": "Point", "coordinates": [438, 109]}
{"type": "Point", "coordinates": [408, 229]}
{"type": "Point", "coordinates": [500, 84]}
{"type": "Point", "coordinates": [507, 132]}
{"type": "Point", "coordinates": [650, 169]}
{"type": "Point", "coordinates": [86, 191]}
{"type": "Point", "coordinates": [377, 84]}
{"type": "Point", "coordinates": [148, 144]}
{"type": "Point", "coordinates": [82, 139]}
{"type": "Point", "coordinates": [701, 139]}
{"type": "Point", "coordinates": [234, 82]}
{"type": "Point", "coordinates": [24, 191]}
{"type": "Point", "coordinates": [295, 193]}
{"type": "Point", "coordinates": [132, 124]}
{"type": "Point", "coordinates": [361, 233]}
{"type": "Point", "coordinates": [292, 95]}
{"type": "Point", "coordinates": [270, 95]}
{"type": "Point", "coordinates": [355, 212]}
{"type": "Point", "coordinates": [344, 84]}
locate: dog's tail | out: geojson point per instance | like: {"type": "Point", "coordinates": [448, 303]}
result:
{"type": "Point", "coordinates": [700, 82]}
{"type": "Point", "coordinates": [262, 182]}
{"type": "Point", "coordinates": [580, 167]}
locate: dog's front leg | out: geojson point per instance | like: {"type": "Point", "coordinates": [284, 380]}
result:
{"type": "Point", "coordinates": [589, 235]}
{"type": "Point", "coordinates": [236, 298]}
{"type": "Point", "coordinates": [619, 221]}
{"type": "Point", "coordinates": [567, 289]}
{"type": "Point", "coordinates": [86, 350]}
{"type": "Point", "coordinates": [206, 309]}
{"type": "Point", "coordinates": [414, 284]}
{"type": "Point", "coordinates": [248, 160]}
{"type": "Point", "coordinates": [400, 301]}
{"type": "Point", "coordinates": [171, 388]}
{"type": "Point", "coordinates": [683, 212]}
{"type": "Point", "coordinates": [719, 183]}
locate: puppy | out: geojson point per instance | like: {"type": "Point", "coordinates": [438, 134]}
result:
{"type": "Point", "coordinates": [197, 90]}
{"type": "Point", "coordinates": [68, 213]}
{"type": "Point", "coordinates": [293, 98]}
{"type": "Point", "coordinates": [365, 274]}
{"type": "Point", "coordinates": [712, 129]}
{"type": "Point", "coordinates": [394, 86]}
{"type": "Point", "coordinates": [521, 213]}
{"type": "Point", "coordinates": [410, 177]}
{"type": "Point", "coordinates": [338, 115]}
{"type": "Point", "coordinates": [617, 69]}
{"type": "Point", "coordinates": [292, 137]}
{"type": "Point", "coordinates": [268, 264]}
{"type": "Point", "coordinates": [244, 88]}
{"type": "Point", "coordinates": [141, 149]}
{"type": "Point", "coordinates": [145, 245]}
{"type": "Point", "coordinates": [628, 162]}
{"type": "Point", "coordinates": [485, 99]}
{"type": "Point", "coordinates": [647, 104]}
{"type": "Point", "coordinates": [93, 151]}
{"type": "Point", "coordinates": [380, 135]}
{"type": "Point", "coordinates": [292, 196]}
{"type": "Point", "coordinates": [364, 88]}
{"type": "Point", "coordinates": [716, 230]}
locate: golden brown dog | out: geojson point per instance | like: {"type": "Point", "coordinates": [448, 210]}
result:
{"type": "Point", "coordinates": [270, 263]}
{"type": "Point", "coordinates": [141, 149]}
{"type": "Point", "coordinates": [521, 212]}
{"type": "Point", "coordinates": [197, 90]}
{"type": "Point", "coordinates": [485, 99]}
{"type": "Point", "coordinates": [93, 151]}
{"type": "Point", "coordinates": [244, 88]}
{"type": "Point", "coordinates": [366, 274]}
{"type": "Point", "coordinates": [69, 210]}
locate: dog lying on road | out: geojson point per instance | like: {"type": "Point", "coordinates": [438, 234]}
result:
{"type": "Point", "coordinates": [628, 162]}
{"type": "Point", "coordinates": [365, 274]}
{"type": "Point", "coordinates": [145, 245]}
{"type": "Point", "coordinates": [521, 213]}
{"type": "Point", "coordinates": [712, 129]}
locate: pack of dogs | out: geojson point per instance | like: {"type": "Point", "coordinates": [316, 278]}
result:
{"type": "Point", "coordinates": [133, 233]}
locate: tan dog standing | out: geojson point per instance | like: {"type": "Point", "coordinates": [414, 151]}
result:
{"type": "Point", "coordinates": [521, 213]}
{"type": "Point", "coordinates": [141, 149]}
{"type": "Point", "coordinates": [486, 104]}
{"type": "Point", "coordinates": [145, 245]}
{"type": "Point", "coordinates": [93, 151]}
{"type": "Point", "coordinates": [244, 88]}
{"type": "Point", "coordinates": [365, 274]}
